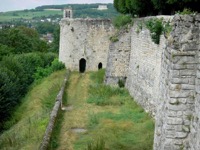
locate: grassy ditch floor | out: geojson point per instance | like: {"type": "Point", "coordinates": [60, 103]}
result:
{"type": "Point", "coordinates": [33, 115]}
{"type": "Point", "coordinates": [102, 117]}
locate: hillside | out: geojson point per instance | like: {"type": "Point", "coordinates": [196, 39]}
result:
{"type": "Point", "coordinates": [55, 12]}
{"type": "Point", "coordinates": [33, 115]}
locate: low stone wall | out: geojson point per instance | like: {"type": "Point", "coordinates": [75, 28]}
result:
{"type": "Point", "coordinates": [54, 114]}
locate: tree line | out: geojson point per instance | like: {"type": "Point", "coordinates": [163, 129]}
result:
{"type": "Point", "coordinates": [154, 7]}
{"type": "Point", "coordinates": [23, 59]}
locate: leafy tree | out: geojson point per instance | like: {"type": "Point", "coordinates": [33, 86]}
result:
{"type": "Point", "coordinates": [5, 51]}
{"type": "Point", "coordinates": [154, 7]}
{"type": "Point", "coordinates": [54, 47]}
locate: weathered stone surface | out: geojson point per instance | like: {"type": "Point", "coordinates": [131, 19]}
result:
{"type": "Point", "coordinates": [87, 39]}
{"type": "Point", "coordinates": [118, 59]}
{"type": "Point", "coordinates": [164, 79]}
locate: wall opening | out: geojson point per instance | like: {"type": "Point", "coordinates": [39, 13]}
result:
{"type": "Point", "coordinates": [82, 65]}
{"type": "Point", "coordinates": [100, 65]}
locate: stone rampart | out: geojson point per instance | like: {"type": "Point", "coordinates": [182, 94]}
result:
{"type": "Point", "coordinates": [177, 123]}
{"type": "Point", "coordinates": [143, 77]}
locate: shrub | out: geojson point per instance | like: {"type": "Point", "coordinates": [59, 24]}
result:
{"type": "Point", "coordinates": [121, 83]}
{"type": "Point", "coordinates": [156, 28]}
{"type": "Point", "coordinates": [122, 20]}
{"type": "Point", "coordinates": [56, 65]}
{"type": "Point", "coordinates": [44, 72]}
{"type": "Point", "coordinates": [114, 38]}
{"type": "Point", "coordinates": [17, 73]}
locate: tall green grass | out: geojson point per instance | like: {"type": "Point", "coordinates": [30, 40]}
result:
{"type": "Point", "coordinates": [129, 127]}
{"type": "Point", "coordinates": [33, 115]}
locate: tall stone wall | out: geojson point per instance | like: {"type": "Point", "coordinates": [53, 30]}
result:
{"type": "Point", "coordinates": [87, 39]}
{"type": "Point", "coordinates": [118, 58]}
{"type": "Point", "coordinates": [144, 68]}
{"type": "Point", "coordinates": [177, 120]}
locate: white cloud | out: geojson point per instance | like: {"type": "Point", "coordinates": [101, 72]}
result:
{"type": "Point", "coordinates": [8, 5]}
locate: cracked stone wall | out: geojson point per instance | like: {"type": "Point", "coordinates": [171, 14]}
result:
{"type": "Point", "coordinates": [118, 58]}
{"type": "Point", "coordinates": [177, 118]}
{"type": "Point", "coordinates": [84, 38]}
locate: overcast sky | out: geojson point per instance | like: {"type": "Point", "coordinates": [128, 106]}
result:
{"type": "Point", "coordinates": [8, 5]}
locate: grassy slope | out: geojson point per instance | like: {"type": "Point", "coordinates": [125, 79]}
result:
{"type": "Point", "coordinates": [109, 115]}
{"type": "Point", "coordinates": [7, 16]}
{"type": "Point", "coordinates": [33, 115]}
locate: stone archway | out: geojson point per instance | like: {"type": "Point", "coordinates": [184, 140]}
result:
{"type": "Point", "coordinates": [82, 65]}
{"type": "Point", "coordinates": [100, 66]}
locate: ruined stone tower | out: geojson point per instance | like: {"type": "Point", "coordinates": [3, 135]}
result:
{"type": "Point", "coordinates": [84, 43]}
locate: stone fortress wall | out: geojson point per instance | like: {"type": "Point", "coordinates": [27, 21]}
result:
{"type": "Point", "coordinates": [164, 79]}
{"type": "Point", "coordinates": [86, 39]}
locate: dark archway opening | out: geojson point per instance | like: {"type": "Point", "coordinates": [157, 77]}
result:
{"type": "Point", "coordinates": [100, 66]}
{"type": "Point", "coordinates": [82, 65]}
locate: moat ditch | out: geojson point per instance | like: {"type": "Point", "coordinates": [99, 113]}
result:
{"type": "Point", "coordinates": [99, 115]}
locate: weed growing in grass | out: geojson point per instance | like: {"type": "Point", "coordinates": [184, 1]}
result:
{"type": "Point", "coordinates": [98, 76]}
{"type": "Point", "coordinates": [102, 95]}
{"type": "Point", "coordinates": [99, 145]}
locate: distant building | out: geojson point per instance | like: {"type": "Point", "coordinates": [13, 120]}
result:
{"type": "Point", "coordinates": [102, 7]}
{"type": "Point", "coordinates": [67, 13]}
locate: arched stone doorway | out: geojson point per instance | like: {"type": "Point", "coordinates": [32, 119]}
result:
{"type": "Point", "coordinates": [82, 65]}
{"type": "Point", "coordinates": [100, 65]}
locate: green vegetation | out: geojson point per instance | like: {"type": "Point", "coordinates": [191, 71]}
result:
{"type": "Point", "coordinates": [156, 29]}
{"type": "Point", "coordinates": [32, 115]}
{"type": "Point", "coordinates": [22, 60]}
{"type": "Point", "coordinates": [154, 7]}
{"type": "Point", "coordinates": [114, 38]}
{"type": "Point", "coordinates": [44, 72]}
{"type": "Point", "coordinates": [110, 117]}
{"type": "Point", "coordinates": [121, 83]}
{"type": "Point", "coordinates": [186, 12]}
{"type": "Point", "coordinates": [128, 127]}
{"type": "Point", "coordinates": [21, 40]}
{"type": "Point", "coordinates": [122, 20]}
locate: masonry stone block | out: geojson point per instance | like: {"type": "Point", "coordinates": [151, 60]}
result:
{"type": "Point", "coordinates": [174, 121]}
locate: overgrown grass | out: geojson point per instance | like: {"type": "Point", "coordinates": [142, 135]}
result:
{"type": "Point", "coordinates": [124, 127]}
{"type": "Point", "coordinates": [54, 141]}
{"type": "Point", "coordinates": [112, 120]}
{"type": "Point", "coordinates": [33, 115]}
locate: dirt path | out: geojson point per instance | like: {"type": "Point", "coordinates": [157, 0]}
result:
{"type": "Point", "coordinates": [76, 117]}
